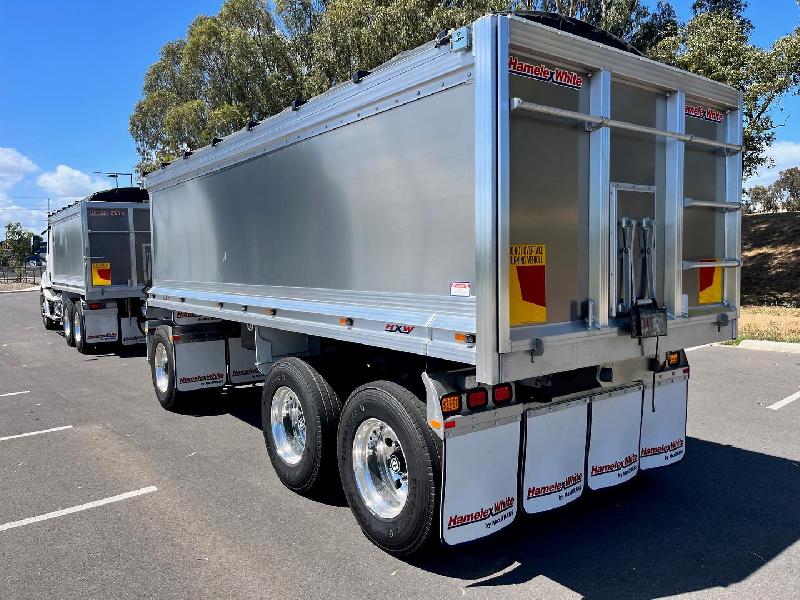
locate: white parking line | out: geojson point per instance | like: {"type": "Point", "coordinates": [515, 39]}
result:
{"type": "Point", "coordinates": [785, 401]}
{"type": "Point", "coordinates": [74, 509]}
{"type": "Point", "coordinates": [14, 393]}
{"type": "Point", "coordinates": [30, 433]}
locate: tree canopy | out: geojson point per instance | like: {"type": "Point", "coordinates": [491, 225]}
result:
{"type": "Point", "coordinates": [783, 195]}
{"type": "Point", "coordinates": [253, 58]}
{"type": "Point", "coordinates": [17, 245]}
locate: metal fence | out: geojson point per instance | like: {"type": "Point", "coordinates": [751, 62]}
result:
{"type": "Point", "coordinates": [30, 275]}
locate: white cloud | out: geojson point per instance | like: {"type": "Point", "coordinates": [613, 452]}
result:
{"type": "Point", "coordinates": [66, 182]}
{"type": "Point", "coordinates": [13, 167]}
{"type": "Point", "coordinates": [63, 185]}
{"type": "Point", "coordinates": [785, 154]}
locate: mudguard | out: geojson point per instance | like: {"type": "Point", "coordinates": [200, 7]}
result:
{"type": "Point", "coordinates": [100, 325]}
{"type": "Point", "coordinates": [616, 419]}
{"type": "Point", "coordinates": [664, 423]}
{"type": "Point", "coordinates": [479, 477]}
{"type": "Point", "coordinates": [555, 454]}
{"type": "Point", "coordinates": [200, 364]}
{"type": "Point", "coordinates": [242, 363]}
{"type": "Point", "coordinates": [131, 331]}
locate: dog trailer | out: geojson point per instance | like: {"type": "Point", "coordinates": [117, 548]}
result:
{"type": "Point", "coordinates": [467, 278]}
{"type": "Point", "coordinates": [98, 264]}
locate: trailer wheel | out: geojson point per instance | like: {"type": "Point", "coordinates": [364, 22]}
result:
{"type": "Point", "coordinates": [299, 415]}
{"type": "Point", "coordinates": [389, 462]}
{"type": "Point", "coordinates": [79, 329]}
{"type": "Point", "coordinates": [48, 323]}
{"type": "Point", "coordinates": [162, 369]}
{"type": "Point", "coordinates": [69, 334]}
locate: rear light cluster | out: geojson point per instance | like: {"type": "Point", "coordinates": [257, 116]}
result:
{"type": "Point", "coordinates": [476, 399]}
{"type": "Point", "coordinates": [96, 306]}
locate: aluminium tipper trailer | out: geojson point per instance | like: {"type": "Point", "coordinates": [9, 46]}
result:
{"type": "Point", "coordinates": [468, 276]}
{"type": "Point", "coordinates": [98, 264]}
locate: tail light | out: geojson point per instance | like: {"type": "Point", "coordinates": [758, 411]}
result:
{"type": "Point", "coordinates": [502, 393]}
{"type": "Point", "coordinates": [477, 398]}
{"type": "Point", "coordinates": [673, 359]}
{"type": "Point", "coordinates": [95, 306]}
{"type": "Point", "coordinates": [451, 404]}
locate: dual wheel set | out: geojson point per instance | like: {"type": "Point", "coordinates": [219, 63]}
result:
{"type": "Point", "coordinates": [72, 323]}
{"type": "Point", "coordinates": [389, 461]}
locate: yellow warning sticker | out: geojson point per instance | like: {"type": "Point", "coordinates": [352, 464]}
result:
{"type": "Point", "coordinates": [527, 278]}
{"type": "Point", "coordinates": [709, 283]}
{"type": "Point", "coordinates": [101, 273]}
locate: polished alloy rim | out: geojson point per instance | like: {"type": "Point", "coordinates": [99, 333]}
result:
{"type": "Point", "coordinates": [288, 425]}
{"type": "Point", "coordinates": [67, 326]}
{"type": "Point", "coordinates": [380, 468]}
{"type": "Point", "coordinates": [161, 364]}
{"type": "Point", "coordinates": [76, 318]}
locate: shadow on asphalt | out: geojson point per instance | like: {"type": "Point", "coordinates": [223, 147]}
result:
{"type": "Point", "coordinates": [244, 403]}
{"type": "Point", "coordinates": [711, 520]}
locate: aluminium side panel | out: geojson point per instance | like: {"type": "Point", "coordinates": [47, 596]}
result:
{"type": "Point", "coordinates": [365, 218]}
{"type": "Point", "coordinates": [67, 250]}
{"type": "Point", "coordinates": [381, 205]}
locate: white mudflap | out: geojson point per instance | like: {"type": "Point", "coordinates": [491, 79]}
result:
{"type": "Point", "coordinates": [131, 332]}
{"type": "Point", "coordinates": [614, 438]}
{"type": "Point", "coordinates": [100, 326]}
{"type": "Point", "coordinates": [664, 429]}
{"type": "Point", "coordinates": [242, 365]}
{"type": "Point", "coordinates": [200, 364]}
{"type": "Point", "coordinates": [555, 451]}
{"type": "Point", "coordinates": [480, 482]}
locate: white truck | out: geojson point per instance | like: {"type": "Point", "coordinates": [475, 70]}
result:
{"type": "Point", "coordinates": [97, 267]}
{"type": "Point", "coordinates": [466, 278]}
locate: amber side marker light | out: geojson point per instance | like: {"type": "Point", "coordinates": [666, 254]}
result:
{"type": "Point", "coordinates": [502, 393]}
{"type": "Point", "coordinates": [451, 404]}
{"type": "Point", "coordinates": [673, 359]}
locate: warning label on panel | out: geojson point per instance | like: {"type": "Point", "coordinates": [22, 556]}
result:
{"type": "Point", "coordinates": [527, 284]}
{"type": "Point", "coordinates": [709, 283]}
{"type": "Point", "coordinates": [101, 273]}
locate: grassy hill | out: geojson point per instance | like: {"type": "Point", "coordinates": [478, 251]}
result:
{"type": "Point", "coordinates": [771, 254]}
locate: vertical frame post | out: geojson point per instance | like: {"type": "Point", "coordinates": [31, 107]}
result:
{"type": "Point", "coordinates": [485, 52]}
{"type": "Point", "coordinates": [503, 183]}
{"type": "Point", "coordinates": [599, 197]}
{"type": "Point", "coordinates": [733, 218]}
{"type": "Point", "coordinates": [672, 217]}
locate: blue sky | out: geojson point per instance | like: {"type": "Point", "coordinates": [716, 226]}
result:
{"type": "Point", "coordinates": [71, 72]}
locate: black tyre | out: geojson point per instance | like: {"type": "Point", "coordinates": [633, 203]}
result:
{"type": "Point", "coordinates": [162, 369]}
{"type": "Point", "coordinates": [48, 323]}
{"type": "Point", "coordinates": [390, 465]}
{"type": "Point", "coordinates": [79, 329]}
{"type": "Point", "coordinates": [66, 318]}
{"type": "Point", "coordinates": [299, 415]}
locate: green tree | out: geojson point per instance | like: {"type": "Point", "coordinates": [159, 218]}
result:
{"type": "Point", "coordinates": [234, 67]}
{"type": "Point", "coordinates": [782, 195]}
{"type": "Point", "coordinates": [17, 244]}
{"type": "Point", "coordinates": [248, 63]}
{"type": "Point", "coordinates": [714, 44]}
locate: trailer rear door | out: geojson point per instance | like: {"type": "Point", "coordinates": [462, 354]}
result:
{"type": "Point", "coordinates": [617, 184]}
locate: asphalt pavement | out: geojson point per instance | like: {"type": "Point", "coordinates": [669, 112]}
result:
{"type": "Point", "coordinates": [187, 506]}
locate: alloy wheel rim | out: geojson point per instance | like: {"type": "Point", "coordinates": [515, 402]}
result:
{"type": "Point", "coordinates": [161, 364]}
{"type": "Point", "coordinates": [288, 425]}
{"type": "Point", "coordinates": [76, 325]}
{"type": "Point", "coordinates": [380, 468]}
